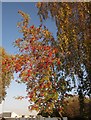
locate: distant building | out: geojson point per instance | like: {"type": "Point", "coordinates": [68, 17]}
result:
{"type": "Point", "coordinates": [8, 115]}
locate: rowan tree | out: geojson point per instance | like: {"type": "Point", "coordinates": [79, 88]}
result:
{"type": "Point", "coordinates": [37, 66]}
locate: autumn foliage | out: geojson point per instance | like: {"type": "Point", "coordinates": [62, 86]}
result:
{"type": "Point", "coordinates": [73, 36]}
{"type": "Point", "coordinates": [73, 24]}
{"type": "Point", "coordinates": [36, 64]}
{"type": "Point", "coordinates": [46, 65]}
{"type": "Point", "coordinates": [6, 71]}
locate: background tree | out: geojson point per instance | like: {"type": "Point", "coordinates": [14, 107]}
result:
{"type": "Point", "coordinates": [73, 23]}
{"type": "Point", "coordinates": [6, 72]}
{"type": "Point", "coordinates": [73, 104]}
{"type": "Point", "coordinates": [71, 109]}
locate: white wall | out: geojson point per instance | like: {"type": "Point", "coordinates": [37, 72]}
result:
{"type": "Point", "coordinates": [13, 115]}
